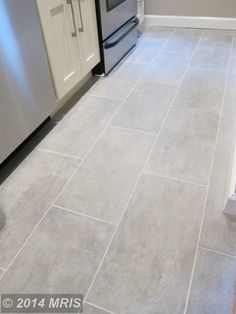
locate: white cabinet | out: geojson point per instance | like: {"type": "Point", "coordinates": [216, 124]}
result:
{"type": "Point", "coordinates": [88, 36]}
{"type": "Point", "coordinates": [70, 33]}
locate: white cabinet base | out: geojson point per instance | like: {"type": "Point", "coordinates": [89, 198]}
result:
{"type": "Point", "coordinates": [71, 38]}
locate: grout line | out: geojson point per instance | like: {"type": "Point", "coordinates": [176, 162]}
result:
{"type": "Point", "coordinates": [72, 175]}
{"type": "Point", "coordinates": [158, 81]}
{"type": "Point", "coordinates": [131, 129]}
{"type": "Point", "coordinates": [144, 63]}
{"type": "Point", "coordinates": [108, 97]}
{"type": "Point", "coordinates": [61, 191]}
{"type": "Point", "coordinates": [233, 45]}
{"type": "Point", "coordinates": [103, 131]}
{"type": "Point", "coordinates": [208, 185]}
{"type": "Point", "coordinates": [86, 155]}
{"type": "Point", "coordinates": [207, 69]}
{"type": "Point", "coordinates": [26, 241]}
{"type": "Point", "coordinates": [56, 153]}
{"type": "Point", "coordinates": [216, 252]}
{"type": "Point", "coordinates": [178, 51]}
{"type": "Point", "coordinates": [175, 179]}
{"type": "Point", "coordinates": [141, 172]}
{"type": "Point", "coordinates": [2, 275]}
{"type": "Point", "coordinates": [84, 215]}
{"type": "Point", "coordinates": [99, 307]}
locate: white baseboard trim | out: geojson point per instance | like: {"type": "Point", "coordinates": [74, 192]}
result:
{"type": "Point", "coordinates": [190, 21]}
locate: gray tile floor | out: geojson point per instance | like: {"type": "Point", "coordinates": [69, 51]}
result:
{"type": "Point", "coordinates": [122, 201]}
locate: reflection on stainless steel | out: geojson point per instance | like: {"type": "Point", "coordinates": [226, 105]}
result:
{"type": "Point", "coordinates": [10, 53]}
{"type": "Point", "coordinates": [27, 94]}
{"type": "Point", "coordinates": [113, 19]}
{"type": "Point", "coordinates": [117, 31]}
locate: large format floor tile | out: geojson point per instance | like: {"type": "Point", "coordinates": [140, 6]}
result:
{"type": "Point", "coordinates": [231, 84]}
{"type": "Point", "coordinates": [148, 266]}
{"type": "Point", "coordinates": [213, 284]}
{"type": "Point", "coordinates": [79, 129]}
{"type": "Point", "coordinates": [120, 82]}
{"type": "Point", "coordinates": [213, 55]}
{"type": "Point", "coordinates": [62, 256]}
{"type": "Point", "coordinates": [212, 61]}
{"type": "Point", "coordinates": [127, 70]}
{"type": "Point", "coordinates": [202, 89]}
{"type": "Point", "coordinates": [26, 195]}
{"type": "Point", "coordinates": [89, 309]}
{"type": "Point", "coordinates": [234, 46]}
{"type": "Point", "coordinates": [1, 273]}
{"type": "Point", "coordinates": [213, 50]}
{"type": "Point", "coordinates": [103, 184]}
{"type": "Point", "coordinates": [185, 147]}
{"type": "Point", "coordinates": [168, 68]}
{"type": "Point", "coordinates": [155, 34]}
{"type": "Point", "coordinates": [217, 36]}
{"type": "Point", "coordinates": [146, 107]}
{"type": "Point", "coordinates": [145, 52]}
{"type": "Point", "coordinates": [183, 40]}
{"type": "Point", "coordinates": [218, 232]}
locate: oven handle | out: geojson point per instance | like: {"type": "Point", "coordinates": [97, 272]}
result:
{"type": "Point", "coordinates": [112, 44]}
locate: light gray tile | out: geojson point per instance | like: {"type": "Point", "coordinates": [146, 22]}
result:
{"type": "Point", "coordinates": [156, 34]}
{"type": "Point", "coordinates": [185, 147]}
{"type": "Point", "coordinates": [1, 273]}
{"type": "Point", "coordinates": [148, 266]}
{"type": "Point", "coordinates": [127, 70]}
{"type": "Point", "coordinates": [183, 40]}
{"type": "Point", "coordinates": [168, 68]}
{"type": "Point", "coordinates": [217, 36]}
{"type": "Point", "coordinates": [231, 84]}
{"type": "Point", "coordinates": [145, 52]}
{"type": "Point", "coordinates": [26, 195]}
{"type": "Point", "coordinates": [102, 186]}
{"type": "Point", "coordinates": [120, 82]}
{"type": "Point", "coordinates": [234, 45]}
{"type": "Point", "coordinates": [218, 232]}
{"type": "Point", "coordinates": [89, 309]}
{"type": "Point", "coordinates": [156, 44]}
{"type": "Point", "coordinates": [78, 130]}
{"type": "Point", "coordinates": [61, 256]}
{"type": "Point", "coordinates": [213, 284]}
{"type": "Point", "coordinates": [210, 60]}
{"type": "Point", "coordinates": [213, 48]}
{"type": "Point", "coordinates": [108, 87]}
{"type": "Point", "coordinates": [202, 89]}
{"type": "Point", "coordinates": [146, 107]}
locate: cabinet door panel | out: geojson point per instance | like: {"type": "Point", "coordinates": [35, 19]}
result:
{"type": "Point", "coordinates": [58, 27]}
{"type": "Point", "coordinates": [86, 22]}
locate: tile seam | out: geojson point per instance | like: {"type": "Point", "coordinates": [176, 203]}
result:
{"type": "Point", "coordinates": [132, 192]}
{"type": "Point", "coordinates": [208, 185]}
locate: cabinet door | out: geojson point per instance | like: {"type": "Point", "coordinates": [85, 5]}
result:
{"type": "Point", "coordinates": [60, 33]}
{"type": "Point", "coordinates": [86, 21]}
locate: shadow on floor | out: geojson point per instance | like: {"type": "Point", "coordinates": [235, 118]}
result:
{"type": "Point", "coordinates": [16, 158]}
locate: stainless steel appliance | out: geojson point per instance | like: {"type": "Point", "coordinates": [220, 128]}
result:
{"type": "Point", "coordinates": [117, 25]}
{"type": "Point", "coordinates": [26, 91]}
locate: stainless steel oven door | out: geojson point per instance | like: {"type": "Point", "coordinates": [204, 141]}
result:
{"type": "Point", "coordinates": [118, 45]}
{"type": "Point", "coordinates": [114, 14]}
